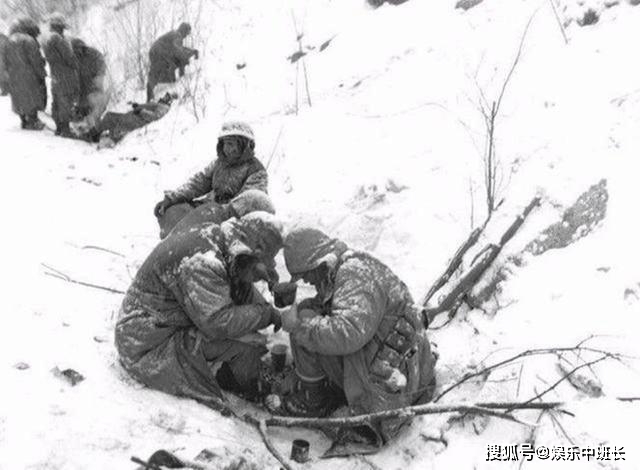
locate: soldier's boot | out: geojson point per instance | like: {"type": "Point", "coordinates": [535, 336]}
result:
{"type": "Point", "coordinates": [312, 399]}
{"type": "Point", "coordinates": [33, 123]}
{"type": "Point", "coordinates": [23, 121]}
{"type": "Point", "coordinates": [63, 130]}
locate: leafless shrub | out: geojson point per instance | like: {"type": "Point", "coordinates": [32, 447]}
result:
{"type": "Point", "coordinates": [490, 111]}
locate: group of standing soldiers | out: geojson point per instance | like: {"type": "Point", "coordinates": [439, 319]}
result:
{"type": "Point", "coordinates": [78, 73]}
{"type": "Point", "coordinates": [189, 323]}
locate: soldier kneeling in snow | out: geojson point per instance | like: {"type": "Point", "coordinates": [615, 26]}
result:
{"type": "Point", "coordinates": [361, 333]}
{"type": "Point", "coordinates": [188, 323]}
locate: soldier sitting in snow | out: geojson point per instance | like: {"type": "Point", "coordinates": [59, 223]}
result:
{"type": "Point", "coordinates": [192, 309]}
{"type": "Point", "coordinates": [361, 334]}
{"type": "Point", "coordinates": [235, 171]}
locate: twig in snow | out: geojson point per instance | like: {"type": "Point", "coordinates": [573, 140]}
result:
{"type": "Point", "coordinates": [261, 425]}
{"type": "Point", "coordinates": [275, 146]}
{"type": "Point", "coordinates": [527, 353]}
{"type": "Point", "coordinates": [569, 374]}
{"type": "Point", "coordinates": [409, 412]}
{"type": "Point", "coordinates": [555, 13]}
{"type": "Point", "coordinates": [99, 248]}
{"type": "Point", "coordinates": [60, 275]}
{"type": "Point", "coordinates": [304, 62]}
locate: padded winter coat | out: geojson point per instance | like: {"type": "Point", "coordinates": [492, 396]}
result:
{"type": "Point", "coordinates": [4, 75]}
{"type": "Point", "coordinates": [222, 180]}
{"type": "Point", "coordinates": [26, 71]}
{"type": "Point", "coordinates": [165, 56]}
{"type": "Point", "coordinates": [65, 79]}
{"type": "Point", "coordinates": [92, 68]}
{"type": "Point", "coordinates": [367, 316]}
{"type": "Point", "coordinates": [183, 296]}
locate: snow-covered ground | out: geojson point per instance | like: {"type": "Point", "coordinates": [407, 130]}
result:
{"type": "Point", "coordinates": [387, 159]}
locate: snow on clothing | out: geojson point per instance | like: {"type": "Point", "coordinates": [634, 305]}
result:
{"type": "Point", "coordinates": [367, 337]}
{"type": "Point", "coordinates": [65, 82]}
{"type": "Point", "coordinates": [26, 72]}
{"type": "Point", "coordinates": [184, 311]}
{"type": "Point", "coordinates": [224, 179]}
{"type": "Point", "coordinates": [187, 216]}
{"type": "Point", "coordinates": [165, 56]}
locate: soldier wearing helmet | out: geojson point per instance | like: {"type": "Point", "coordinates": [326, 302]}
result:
{"type": "Point", "coordinates": [361, 335]}
{"type": "Point", "coordinates": [166, 55]}
{"type": "Point", "coordinates": [235, 171]}
{"type": "Point", "coordinates": [65, 78]}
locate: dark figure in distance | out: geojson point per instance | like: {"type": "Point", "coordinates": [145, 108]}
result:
{"type": "Point", "coordinates": [166, 55]}
{"type": "Point", "coordinates": [26, 73]}
{"type": "Point", "coordinates": [65, 83]}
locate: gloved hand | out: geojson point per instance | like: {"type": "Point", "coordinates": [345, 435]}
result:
{"type": "Point", "coordinates": [196, 54]}
{"type": "Point", "coordinates": [162, 206]}
{"type": "Point", "coordinates": [276, 320]}
{"type": "Point", "coordinates": [290, 319]}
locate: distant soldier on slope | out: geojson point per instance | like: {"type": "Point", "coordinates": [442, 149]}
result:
{"type": "Point", "coordinates": [26, 73]}
{"type": "Point", "coordinates": [65, 83]}
{"type": "Point", "coordinates": [166, 55]}
{"type": "Point", "coordinates": [92, 70]}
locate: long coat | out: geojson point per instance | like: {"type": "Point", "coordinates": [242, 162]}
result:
{"type": "Point", "coordinates": [4, 74]}
{"type": "Point", "coordinates": [224, 179]}
{"type": "Point", "coordinates": [92, 69]}
{"type": "Point", "coordinates": [184, 296]}
{"type": "Point", "coordinates": [165, 56]}
{"type": "Point", "coordinates": [26, 70]}
{"type": "Point", "coordinates": [65, 80]}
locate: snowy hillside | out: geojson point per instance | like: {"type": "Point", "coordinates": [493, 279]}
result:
{"type": "Point", "coordinates": [387, 157]}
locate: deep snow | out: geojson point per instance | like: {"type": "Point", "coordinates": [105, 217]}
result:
{"type": "Point", "coordinates": [381, 160]}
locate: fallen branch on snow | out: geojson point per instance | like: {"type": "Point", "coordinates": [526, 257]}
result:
{"type": "Point", "coordinates": [60, 275]}
{"type": "Point", "coordinates": [536, 352]}
{"type": "Point", "coordinates": [411, 411]}
{"type": "Point", "coordinates": [480, 264]}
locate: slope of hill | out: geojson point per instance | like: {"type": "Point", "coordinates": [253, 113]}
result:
{"type": "Point", "coordinates": [387, 156]}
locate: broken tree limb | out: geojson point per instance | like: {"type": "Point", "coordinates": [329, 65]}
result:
{"type": "Point", "coordinates": [62, 276]}
{"type": "Point", "coordinates": [408, 412]}
{"type": "Point", "coordinates": [262, 427]}
{"type": "Point", "coordinates": [454, 263]}
{"type": "Point", "coordinates": [529, 352]}
{"type": "Point", "coordinates": [479, 265]}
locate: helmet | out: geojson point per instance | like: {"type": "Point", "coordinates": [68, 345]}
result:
{"type": "Point", "coordinates": [184, 29]}
{"type": "Point", "coordinates": [237, 128]}
{"type": "Point", "coordinates": [57, 19]}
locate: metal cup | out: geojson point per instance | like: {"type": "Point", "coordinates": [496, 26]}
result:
{"type": "Point", "coordinates": [300, 450]}
{"type": "Point", "coordinates": [279, 357]}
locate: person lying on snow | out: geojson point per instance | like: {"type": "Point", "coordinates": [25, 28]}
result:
{"type": "Point", "coordinates": [361, 335]}
{"type": "Point", "coordinates": [214, 213]}
{"type": "Point", "coordinates": [188, 323]}
{"type": "Point", "coordinates": [234, 171]}
{"type": "Point", "coordinates": [113, 127]}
